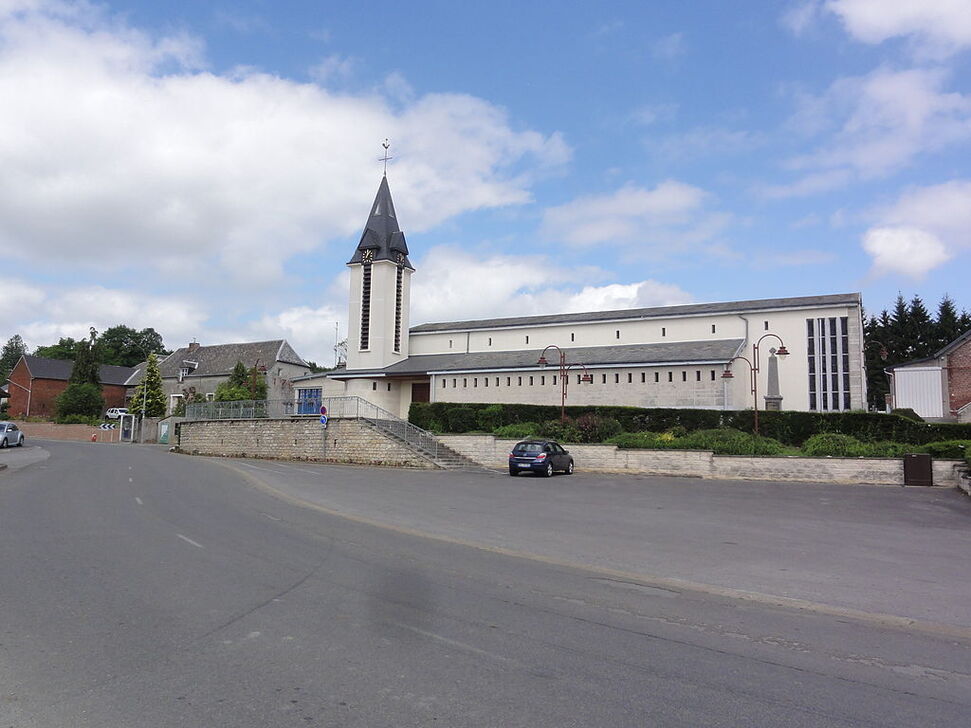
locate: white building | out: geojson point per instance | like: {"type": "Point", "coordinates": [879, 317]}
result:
{"type": "Point", "coordinates": [666, 356]}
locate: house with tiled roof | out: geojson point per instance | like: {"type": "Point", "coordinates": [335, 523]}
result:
{"type": "Point", "coordinates": [197, 369]}
{"type": "Point", "coordinates": [35, 383]}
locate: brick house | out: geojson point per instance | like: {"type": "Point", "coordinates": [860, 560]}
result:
{"type": "Point", "coordinates": [35, 383]}
{"type": "Point", "coordinates": [197, 369]}
{"type": "Point", "coordinates": [937, 387]}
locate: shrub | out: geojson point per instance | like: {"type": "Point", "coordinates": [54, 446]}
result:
{"type": "Point", "coordinates": [79, 420]}
{"type": "Point", "coordinates": [518, 430]}
{"type": "Point", "coordinates": [639, 440]}
{"type": "Point", "coordinates": [907, 413]}
{"type": "Point", "coordinates": [727, 441]}
{"type": "Point", "coordinates": [490, 418]}
{"type": "Point", "coordinates": [885, 449]}
{"type": "Point", "coordinates": [594, 428]}
{"type": "Point", "coordinates": [79, 398]}
{"type": "Point", "coordinates": [833, 444]}
{"type": "Point", "coordinates": [460, 419]}
{"type": "Point", "coordinates": [558, 430]}
{"type": "Point", "coordinates": [950, 449]}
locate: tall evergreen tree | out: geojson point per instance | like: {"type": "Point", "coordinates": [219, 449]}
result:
{"type": "Point", "coordinates": [898, 332]}
{"type": "Point", "coordinates": [10, 355]}
{"type": "Point", "coordinates": [87, 362]}
{"type": "Point", "coordinates": [920, 329]}
{"type": "Point", "coordinates": [947, 326]}
{"type": "Point", "coordinates": [149, 391]}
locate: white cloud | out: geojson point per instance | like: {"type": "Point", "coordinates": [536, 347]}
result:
{"type": "Point", "coordinates": [937, 27]}
{"type": "Point", "coordinates": [799, 17]}
{"type": "Point", "coordinates": [334, 67]}
{"type": "Point", "coordinates": [44, 317]}
{"type": "Point", "coordinates": [875, 125]}
{"type": "Point", "coordinates": [144, 157]}
{"type": "Point", "coordinates": [510, 285]}
{"type": "Point", "coordinates": [671, 214]}
{"type": "Point", "coordinates": [310, 331]}
{"type": "Point", "coordinates": [909, 251]}
{"type": "Point", "coordinates": [928, 226]}
{"type": "Point", "coordinates": [669, 47]}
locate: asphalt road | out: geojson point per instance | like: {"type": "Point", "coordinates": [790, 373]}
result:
{"type": "Point", "coordinates": [140, 588]}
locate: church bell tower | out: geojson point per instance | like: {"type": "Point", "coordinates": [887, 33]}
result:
{"type": "Point", "coordinates": [378, 319]}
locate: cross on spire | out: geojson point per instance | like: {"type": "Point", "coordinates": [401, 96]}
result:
{"type": "Point", "coordinates": [386, 144]}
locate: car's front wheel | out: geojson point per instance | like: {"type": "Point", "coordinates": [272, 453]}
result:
{"type": "Point", "coordinates": [21, 443]}
{"type": "Point", "coordinates": [569, 468]}
{"type": "Point", "coordinates": [549, 470]}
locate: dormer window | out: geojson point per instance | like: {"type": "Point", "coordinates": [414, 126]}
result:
{"type": "Point", "coordinates": [183, 373]}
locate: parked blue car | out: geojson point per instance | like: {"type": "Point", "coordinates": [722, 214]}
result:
{"type": "Point", "coordinates": [543, 457]}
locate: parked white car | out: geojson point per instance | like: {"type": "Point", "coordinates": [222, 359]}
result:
{"type": "Point", "coordinates": [11, 435]}
{"type": "Point", "coordinates": [115, 412]}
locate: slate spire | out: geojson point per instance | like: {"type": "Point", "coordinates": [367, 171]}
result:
{"type": "Point", "coordinates": [381, 233]}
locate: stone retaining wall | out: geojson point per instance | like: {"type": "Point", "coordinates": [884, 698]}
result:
{"type": "Point", "coordinates": [493, 452]}
{"type": "Point", "coordinates": [344, 441]}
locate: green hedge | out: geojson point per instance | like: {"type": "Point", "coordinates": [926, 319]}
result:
{"type": "Point", "coordinates": [789, 428]}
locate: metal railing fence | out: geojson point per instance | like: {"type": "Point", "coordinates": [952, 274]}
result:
{"type": "Point", "coordinates": [348, 408]}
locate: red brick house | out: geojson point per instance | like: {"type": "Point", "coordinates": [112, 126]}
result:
{"type": "Point", "coordinates": [938, 387]}
{"type": "Point", "coordinates": [35, 383]}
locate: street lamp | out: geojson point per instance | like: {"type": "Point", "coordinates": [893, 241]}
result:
{"type": "Point", "coordinates": [564, 375]}
{"type": "Point", "coordinates": [753, 367]}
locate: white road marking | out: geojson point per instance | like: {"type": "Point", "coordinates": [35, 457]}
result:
{"type": "Point", "coordinates": [272, 518]}
{"type": "Point", "coordinates": [131, 480]}
{"type": "Point", "coordinates": [453, 643]}
{"type": "Point", "coordinates": [190, 541]}
{"type": "Point", "coordinates": [139, 501]}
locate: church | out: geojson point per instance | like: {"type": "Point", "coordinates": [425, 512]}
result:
{"type": "Point", "coordinates": [798, 353]}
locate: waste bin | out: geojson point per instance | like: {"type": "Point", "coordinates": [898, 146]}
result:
{"type": "Point", "coordinates": [918, 469]}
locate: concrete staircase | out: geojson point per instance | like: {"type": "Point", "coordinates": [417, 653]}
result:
{"type": "Point", "coordinates": [424, 444]}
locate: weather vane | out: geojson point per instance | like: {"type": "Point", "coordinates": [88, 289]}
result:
{"type": "Point", "coordinates": [386, 144]}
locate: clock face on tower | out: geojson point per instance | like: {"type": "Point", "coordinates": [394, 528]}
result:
{"type": "Point", "coordinates": [368, 255]}
{"type": "Point", "coordinates": [401, 258]}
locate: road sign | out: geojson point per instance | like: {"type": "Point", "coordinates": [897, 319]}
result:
{"type": "Point", "coordinates": [107, 426]}
{"type": "Point", "coordinates": [323, 411]}
{"type": "Point", "coordinates": [323, 420]}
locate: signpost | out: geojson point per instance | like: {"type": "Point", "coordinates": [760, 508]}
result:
{"type": "Point", "coordinates": [323, 416]}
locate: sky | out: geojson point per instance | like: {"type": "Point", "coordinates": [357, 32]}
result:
{"type": "Point", "coordinates": [207, 168]}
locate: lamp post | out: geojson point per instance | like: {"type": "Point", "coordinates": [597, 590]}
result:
{"type": "Point", "coordinates": [564, 375]}
{"type": "Point", "coordinates": [753, 367]}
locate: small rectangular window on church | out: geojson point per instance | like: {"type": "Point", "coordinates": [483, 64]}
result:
{"type": "Point", "coordinates": [616, 378]}
{"type": "Point", "coordinates": [443, 382]}
{"type": "Point", "coordinates": [670, 376]}
{"type": "Point", "coordinates": [657, 377]}
{"type": "Point", "coordinates": [486, 381]}
{"type": "Point", "coordinates": [684, 376]}
{"type": "Point", "coordinates": [542, 381]}
{"type": "Point", "coordinates": [573, 337]}
{"type": "Point", "coordinates": [713, 328]}
{"type": "Point", "coordinates": [449, 343]}
{"type": "Point", "coordinates": [389, 386]}
{"type": "Point", "coordinates": [643, 377]}
{"type": "Point", "coordinates": [455, 383]}
{"type": "Point", "coordinates": [617, 334]}
{"type": "Point", "coordinates": [475, 381]}
{"type": "Point", "coordinates": [490, 341]}
{"type": "Point", "coordinates": [713, 375]}
{"type": "Point", "coordinates": [765, 325]}
{"type": "Point", "coordinates": [497, 381]}
{"type": "Point", "coordinates": [374, 386]}
{"type": "Point", "coordinates": [604, 379]}
{"type": "Point", "coordinates": [554, 380]}
{"type": "Point", "coordinates": [698, 376]}
{"type": "Point", "coordinates": [530, 381]}
{"type": "Point", "coordinates": [520, 381]}
{"type": "Point", "coordinates": [527, 338]}
{"type": "Point", "coordinates": [465, 382]}
{"type": "Point", "coordinates": [664, 331]}
{"type": "Point", "coordinates": [508, 381]}
{"type": "Point", "coordinates": [630, 377]}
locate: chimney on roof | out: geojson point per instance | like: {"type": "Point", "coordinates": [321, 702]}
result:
{"type": "Point", "coordinates": [193, 345]}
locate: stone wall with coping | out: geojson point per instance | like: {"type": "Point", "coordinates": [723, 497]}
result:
{"type": "Point", "coordinates": [494, 452]}
{"type": "Point", "coordinates": [344, 441]}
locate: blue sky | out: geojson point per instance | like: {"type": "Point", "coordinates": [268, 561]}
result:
{"type": "Point", "coordinates": [206, 168]}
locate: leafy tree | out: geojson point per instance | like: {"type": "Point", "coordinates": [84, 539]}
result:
{"type": "Point", "coordinates": [10, 355]}
{"type": "Point", "coordinates": [189, 396]}
{"type": "Point", "coordinates": [243, 383]}
{"type": "Point", "coordinates": [79, 399]}
{"type": "Point", "coordinates": [149, 390]}
{"type": "Point", "coordinates": [87, 362]}
{"type": "Point", "coordinates": [65, 348]}
{"type": "Point", "coordinates": [124, 346]}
